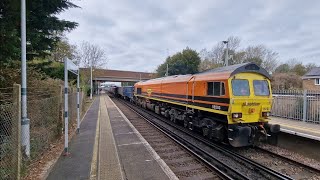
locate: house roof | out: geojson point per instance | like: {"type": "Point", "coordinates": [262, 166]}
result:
{"type": "Point", "coordinates": [313, 72]}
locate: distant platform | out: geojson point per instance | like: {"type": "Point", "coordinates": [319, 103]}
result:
{"type": "Point", "coordinates": [299, 128]}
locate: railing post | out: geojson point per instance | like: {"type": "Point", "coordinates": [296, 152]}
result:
{"type": "Point", "coordinates": [304, 105]}
{"type": "Point", "coordinates": [17, 105]}
{"type": "Point", "coordinates": [78, 102]}
{"type": "Point", "coordinates": [61, 109]}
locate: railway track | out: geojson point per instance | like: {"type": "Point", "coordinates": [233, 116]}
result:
{"type": "Point", "coordinates": [288, 159]}
{"type": "Point", "coordinates": [293, 168]}
{"type": "Point", "coordinates": [182, 160]}
{"type": "Point", "coordinates": [218, 158]}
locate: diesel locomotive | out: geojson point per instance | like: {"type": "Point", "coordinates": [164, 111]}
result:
{"type": "Point", "coordinates": [229, 104]}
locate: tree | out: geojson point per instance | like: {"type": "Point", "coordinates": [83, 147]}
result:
{"type": "Point", "coordinates": [309, 66]}
{"type": "Point", "coordinates": [258, 54]}
{"type": "Point", "coordinates": [63, 49]}
{"type": "Point", "coordinates": [286, 81]}
{"type": "Point", "coordinates": [262, 56]}
{"type": "Point", "coordinates": [43, 27]}
{"type": "Point", "coordinates": [88, 54]}
{"type": "Point", "coordinates": [217, 54]}
{"type": "Point", "coordinates": [185, 62]}
{"type": "Point", "coordinates": [295, 66]}
{"type": "Point", "coordinates": [282, 68]}
{"type": "Point", "coordinates": [299, 69]}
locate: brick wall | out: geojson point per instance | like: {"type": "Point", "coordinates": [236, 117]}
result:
{"type": "Point", "coordinates": [308, 84]}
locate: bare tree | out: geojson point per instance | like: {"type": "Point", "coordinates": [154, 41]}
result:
{"type": "Point", "coordinates": [270, 61]}
{"type": "Point", "coordinates": [258, 54]}
{"type": "Point", "coordinates": [234, 43]}
{"type": "Point", "coordinates": [286, 81]}
{"type": "Point", "coordinates": [88, 54]}
{"type": "Point", "coordinates": [217, 53]}
{"type": "Point", "coordinates": [262, 56]}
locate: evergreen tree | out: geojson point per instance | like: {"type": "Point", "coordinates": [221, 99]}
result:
{"type": "Point", "coordinates": [185, 62]}
{"type": "Point", "coordinates": [44, 29]}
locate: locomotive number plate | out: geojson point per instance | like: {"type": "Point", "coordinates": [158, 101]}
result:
{"type": "Point", "coordinates": [216, 107]}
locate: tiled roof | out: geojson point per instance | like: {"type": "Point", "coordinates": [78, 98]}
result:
{"type": "Point", "coordinates": [313, 72]}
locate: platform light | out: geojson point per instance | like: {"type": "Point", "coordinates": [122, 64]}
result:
{"type": "Point", "coordinates": [227, 53]}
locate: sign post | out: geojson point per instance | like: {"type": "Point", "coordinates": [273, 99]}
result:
{"type": "Point", "coordinates": [78, 102]}
{"type": "Point", "coordinates": [69, 66]}
{"type": "Point", "coordinates": [66, 122]}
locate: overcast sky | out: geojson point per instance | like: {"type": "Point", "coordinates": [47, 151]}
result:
{"type": "Point", "coordinates": [138, 35]}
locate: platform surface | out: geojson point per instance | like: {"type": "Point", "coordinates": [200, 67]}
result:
{"type": "Point", "coordinates": [77, 165]}
{"type": "Point", "coordinates": [136, 159]}
{"type": "Point", "coordinates": [109, 147]}
{"type": "Point", "coordinates": [299, 128]}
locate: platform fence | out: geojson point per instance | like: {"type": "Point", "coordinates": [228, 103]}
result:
{"type": "Point", "coordinates": [9, 136]}
{"type": "Point", "coordinates": [301, 105]}
{"type": "Point", "coordinates": [45, 111]}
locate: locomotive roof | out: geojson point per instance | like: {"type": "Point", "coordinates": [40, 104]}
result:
{"type": "Point", "coordinates": [239, 68]}
{"type": "Point", "coordinates": [218, 73]}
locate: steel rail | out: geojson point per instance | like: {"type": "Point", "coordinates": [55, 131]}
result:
{"type": "Point", "coordinates": [288, 159]}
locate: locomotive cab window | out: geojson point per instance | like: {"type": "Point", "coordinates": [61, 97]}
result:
{"type": "Point", "coordinates": [261, 88]}
{"type": "Point", "coordinates": [240, 87]}
{"type": "Point", "coordinates": [215, 89]}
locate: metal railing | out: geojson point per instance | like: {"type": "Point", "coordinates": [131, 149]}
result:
{"type": "Point", "coordinates": [302, 105]}
{"type": "Point", "coordinates": [9, 138]}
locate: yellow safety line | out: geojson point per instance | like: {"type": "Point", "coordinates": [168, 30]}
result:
{"type": "Point", "coordinates": [93, 169]}
{"type": "Point", "coordinates": [298, 128]}
{"type": "Point", "coordinates": [293, 126]}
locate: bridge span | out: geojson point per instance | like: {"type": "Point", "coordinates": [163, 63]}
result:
{"type": "Point", "coordinates": [102, 75]}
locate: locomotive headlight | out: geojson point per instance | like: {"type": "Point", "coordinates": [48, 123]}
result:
{"type": "Point", "coordinates": [236, 115]}
{"type": "Point", "coordinates": [265, 114]}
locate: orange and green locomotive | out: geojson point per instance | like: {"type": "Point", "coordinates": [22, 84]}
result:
{"type": "Point", "coordinates": [228, 104]}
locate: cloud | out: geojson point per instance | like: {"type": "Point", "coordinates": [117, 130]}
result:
{"type": "Point", "coordinates": [137, 35]}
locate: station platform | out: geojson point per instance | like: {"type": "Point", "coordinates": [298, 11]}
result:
{"type": "Point", "coordinates": [109, 147]}
{"type": "Point", "coordinates": [299, 128]}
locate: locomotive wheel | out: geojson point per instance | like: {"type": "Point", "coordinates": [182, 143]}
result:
{"type": "Point", "coordinates": [175, 120]}
{"type": "Point", "coordinates": [185, 123]}
{"type": "Point", "coordinates": [172, 117]}
{"type": "Point", "coordinates": [205, 131]}
{"type": "Point", "coordinates": [190, 126]}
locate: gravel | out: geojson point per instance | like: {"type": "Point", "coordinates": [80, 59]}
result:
{"type": "Point", "coordinates": [289, 168]}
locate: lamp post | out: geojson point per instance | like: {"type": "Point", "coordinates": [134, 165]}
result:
{"type": "Point", "coordinates": [227, 53]}
{"type": "Point", "coordinates": [25, 122]}
{"type": "Point", "coordinates": [91, 81]}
